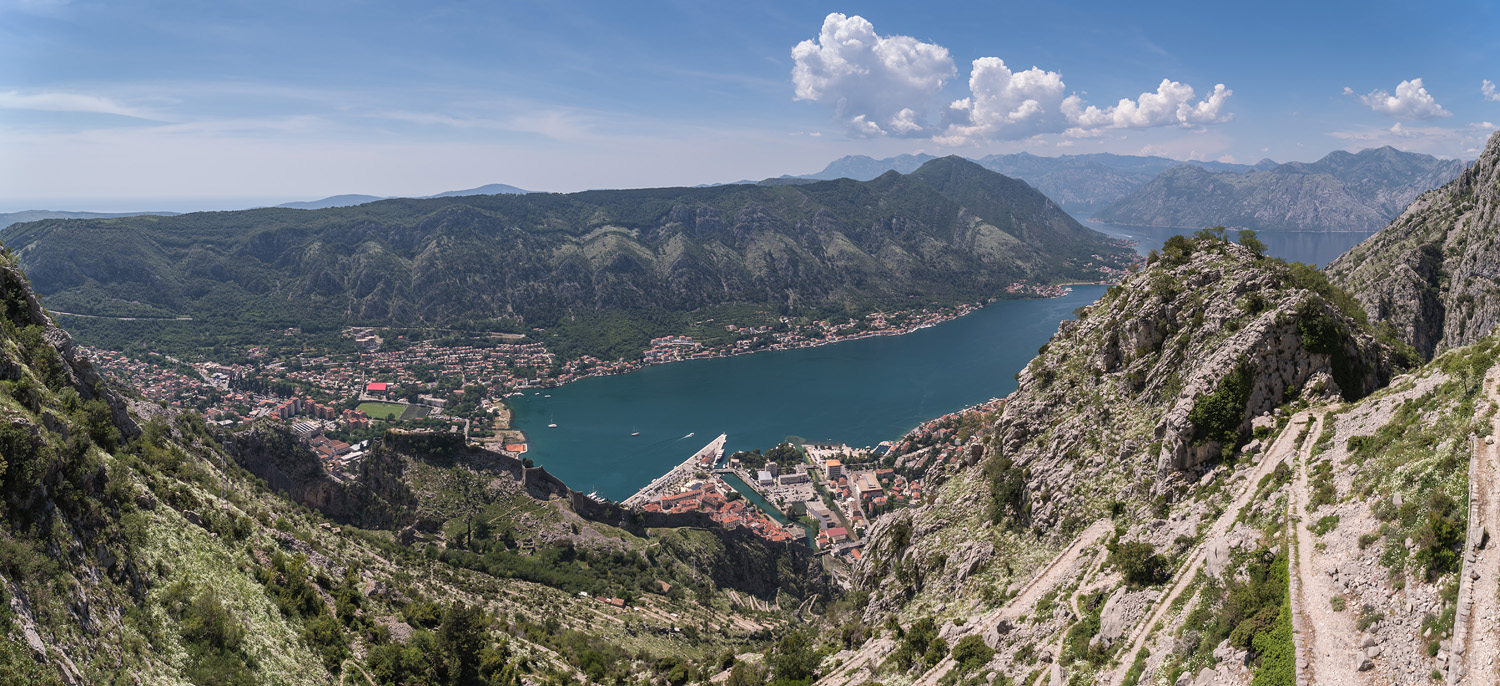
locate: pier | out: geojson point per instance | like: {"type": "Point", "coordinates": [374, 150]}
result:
{"type": "Point", "coordinates": [704, 459]}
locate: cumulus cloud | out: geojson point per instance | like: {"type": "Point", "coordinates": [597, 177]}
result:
{"type": "Point", "coordinates": [1006, 104]}
{"type": "Point", "coordinates": [1488, 90]}
{"type": "Point", "coordinates": [875, 84]}
{"type": "Point", "coordinates": [883, 85]}
{"type": "Point", "coordinates": [1171, 105]}
{"type": "Point", "coordinates": [66, 102]}
{"type": "Point", "coordinates": [1411, 102]}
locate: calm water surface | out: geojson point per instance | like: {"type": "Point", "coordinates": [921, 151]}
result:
{"type": "Point", "coordinates": [860, 392]}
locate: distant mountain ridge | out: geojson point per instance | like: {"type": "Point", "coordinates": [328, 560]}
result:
{"type": "Point", "coordinates": [615, 268]}
{"type": "Point", "coordinates": [8, 218]}
{"type": "Point", "coordinates": [352, 199]}
{"type": "Point", "coordinates": [1079, 183]}
{"type": "Point", "coordinates": [1341, 192]}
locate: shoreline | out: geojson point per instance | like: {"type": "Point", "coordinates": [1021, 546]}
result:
{"type": "Point", "coordinates": [962, 310]}
{"type": "Point", "coordinates": [1228, 228]}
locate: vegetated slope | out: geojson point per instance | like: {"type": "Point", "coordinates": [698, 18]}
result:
{"type": "Point", "coordinates": [633, 262]}
{"type": "Point", "coordinates": [1138, 411]}
{"type": "Point", "coordinates": [1341, 192]}
{"type": "Point", "coordinates": [134, 547]}
{"type": "Point", "coordinates": [1434, 273]}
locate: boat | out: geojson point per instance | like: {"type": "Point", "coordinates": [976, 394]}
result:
{"type": "Point", "coordinates": [635, 433]}
{"type": "Point", "coordinates": [690, 434]}
{"type": "Point", "coordinates": [547, 396]}
{"type": "Point", "coordinates": [552, 426]}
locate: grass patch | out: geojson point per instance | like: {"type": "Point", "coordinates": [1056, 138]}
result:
{"type": "Point", "coordinates": [384, 411]}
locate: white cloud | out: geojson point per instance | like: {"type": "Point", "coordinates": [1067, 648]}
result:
{"type": "Point", "coordinates": [875, 84]}
{"type": "Point", "coordinates": [1171, 105]}
{"type": "Point", "coordinates": [67, 102]}
{"type": "Point", "coordinates": [1410, 103]}
{"type": "Point", "coordinates": [1488, 90]}
{"type": "Point", "coordinates": [882, 86]}
{"type": "Point", "coordinates": [1006, 104]}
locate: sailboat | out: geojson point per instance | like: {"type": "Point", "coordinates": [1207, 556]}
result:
{"type": "Point", "coordinates": [553, 420]}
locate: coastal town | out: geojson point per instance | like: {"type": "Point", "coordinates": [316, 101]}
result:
{"type": "Point", "coordinates": [442, 371]}
{"type": "Point", "coordinates": [823, 493]}
{"type": "Point", "coordinates": [820, 494]}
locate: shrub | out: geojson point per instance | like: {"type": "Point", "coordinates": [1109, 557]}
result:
{"type": "Point", "coordinates": [971, 652]}
{"type": "Point", "coordinates": [1217, 416]}
{"type": "Point", "coordinates": [1139, 563]}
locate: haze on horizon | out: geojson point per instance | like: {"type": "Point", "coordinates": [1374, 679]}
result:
{"type": "Point", "coordinates": [127, 106]}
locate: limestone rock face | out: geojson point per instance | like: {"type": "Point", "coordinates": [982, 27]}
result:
{"type": "Point", "coordinates": [1434, 272]}
{"type": "Point", "coordinates": [1109, 412]}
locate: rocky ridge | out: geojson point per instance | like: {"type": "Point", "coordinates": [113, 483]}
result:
{"type": "Point", "coordinates": [1434, 272]}
{"type": "Point", "coordinates": [1341, 192]}
{"type": "Point", "coordinates": [1115, 420]}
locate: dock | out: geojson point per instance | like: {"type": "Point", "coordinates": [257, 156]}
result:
{"type": "Point", "coordinates": [704, 459]}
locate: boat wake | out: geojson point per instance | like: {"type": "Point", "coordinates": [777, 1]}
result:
{"type": "Point", "coordinates": [690, 435]}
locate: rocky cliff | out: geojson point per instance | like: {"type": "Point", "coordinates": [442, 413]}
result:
{"type": "Point", "coordinates": [1434, 273]}
{"type": "Point", "coordinates": [1140, 411]}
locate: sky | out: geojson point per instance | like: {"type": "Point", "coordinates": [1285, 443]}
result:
{"type": "Point", "coordinates": [127, 106]}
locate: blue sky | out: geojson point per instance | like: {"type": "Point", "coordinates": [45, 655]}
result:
{"type": "Point", "coordinates": [129, 105]}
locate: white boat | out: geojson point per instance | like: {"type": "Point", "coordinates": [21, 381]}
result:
{"type": "Point", "coordinates": [552, 426]}
{"type": "Point", "coordinates": [635, 433]}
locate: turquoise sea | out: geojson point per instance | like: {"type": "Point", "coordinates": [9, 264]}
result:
{"type": "Point", "coordinates": [858, 392]}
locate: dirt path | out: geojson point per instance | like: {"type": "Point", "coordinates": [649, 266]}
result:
{"type": "Point", "coordinates": [1054, 674]}
{"type": "Point", "coordinates": [874, 651]}
{"type": "Point", "coordinates": [1278, 452]}
{"type": "Point", "coordinates": [1329, 654]}
{"type": "Point", "coordinates": [1481, 642]}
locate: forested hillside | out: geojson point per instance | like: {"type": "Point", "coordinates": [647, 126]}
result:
{"type": "Point", "coordinates": [633, 264]}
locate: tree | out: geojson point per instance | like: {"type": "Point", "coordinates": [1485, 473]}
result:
{"type": "Point", "coordinates": [794, 661]}
{"type": "Point", "coordinates": [461, 636]}
{"type": "Point", "coordinates": [1249, 240]}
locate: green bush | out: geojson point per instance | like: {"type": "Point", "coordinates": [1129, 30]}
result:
{"type": "Point", "coordinates": [1139, 562]}
{"type": "Point", "coordinates": [1217, 416]}
{"type": "Point", "coordinates": [971, 652]}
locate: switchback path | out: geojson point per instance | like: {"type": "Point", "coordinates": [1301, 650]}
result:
{"type": "Point", "coordinates": [1476, 642]}
{"type": "Point", "coordinates": [1328, 659]}
{"type": "Point", "coordinates": [1278, 451]}
{"type": "Point", "coordinates": [874, 651]}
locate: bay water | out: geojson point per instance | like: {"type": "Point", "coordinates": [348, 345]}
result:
{"type": "Point", "coordinates": [615, 434]}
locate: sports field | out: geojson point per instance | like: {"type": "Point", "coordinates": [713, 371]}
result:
{"type": "Point", "coordinates": [386, 411]}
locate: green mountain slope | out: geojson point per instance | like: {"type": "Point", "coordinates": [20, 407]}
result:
{"type": "Point", "coordinates": [950, 232]}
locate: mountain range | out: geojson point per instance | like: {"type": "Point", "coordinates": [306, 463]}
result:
{"type": "Point", "coordinates": [1341, 192]}
{"type": "Point", "coordinates": [1080, 183]}
{"type": "Point", "coordinates": [613, 267]}
{"type": "Point", "coordinates": [8, 218]}
{"type": "Point", "coordinates": [357, 199]}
